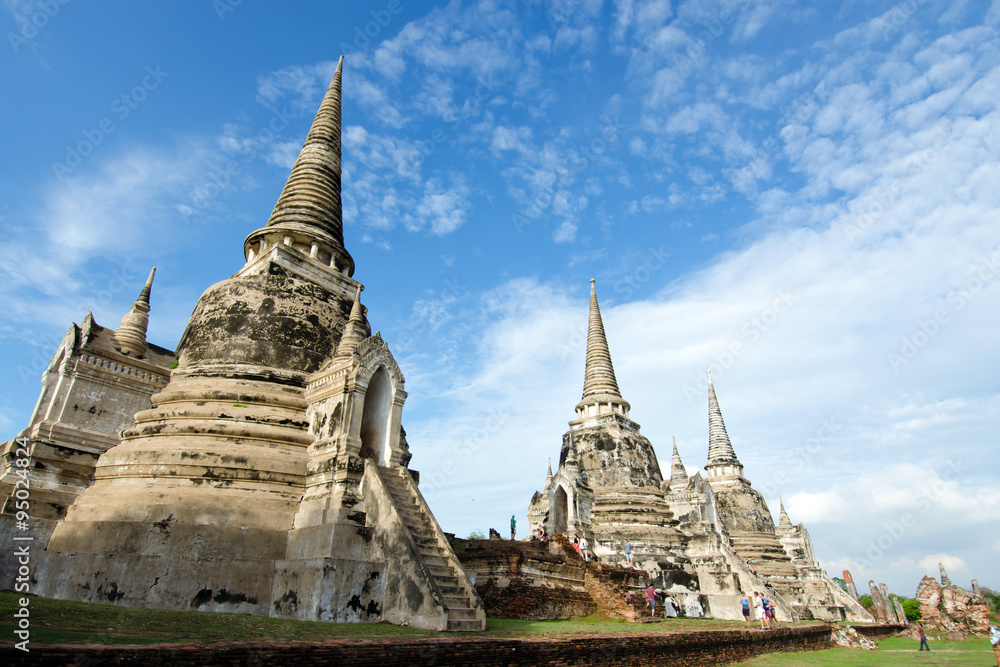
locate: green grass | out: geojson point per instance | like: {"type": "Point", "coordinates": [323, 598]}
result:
{"type": "Point", "coordinates": [66, 622]}
{"type": "Point", "coordinates": [891, 651]}
{"type": "Point", "coordinates": [598, 624]}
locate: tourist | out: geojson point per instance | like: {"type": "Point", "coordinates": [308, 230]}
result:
{"type": "Point", "coordinates": [923, 637]}
{"type": "Point", "coordinates": [651, 600]}
{"type": "Point", "coordinates": [995, 642]}
{"type": "Point", "coordinates": [583, 550]}
{"type": "Point", "coordinates": [576, 543]}
{"type": "Point", "coordinates": [513, 528]}
{"type": "Point", "coordinates": [773, 622]}
{"type": "Point", "coordinates": [745, 604]}
{"type": "Point", "coordinates": [628, 555]}
{"type": "Point", "coordinates": [765, 602]}
{"type": "Point", "coordinates": [758, 605]}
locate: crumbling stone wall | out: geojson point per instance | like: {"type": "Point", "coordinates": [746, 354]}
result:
{"type": "Point", "coordinates": [706, 648]}
{"type": "Point", "coordinates": [546, 580]}
{"type": "Point", "coordinates": [951, 610]}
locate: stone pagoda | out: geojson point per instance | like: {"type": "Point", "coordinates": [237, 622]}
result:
{"type": "Point", "coordinates": [696, 536]}
{"type": "Point", "coordinates": [97, 380]}
{"type": "Point", "coordinates": [269, 475]}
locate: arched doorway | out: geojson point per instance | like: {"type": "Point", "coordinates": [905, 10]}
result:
{"type": "Point", "coordinates": [375, 417]}
{"type": "Point", "coordinates": [560, 511]}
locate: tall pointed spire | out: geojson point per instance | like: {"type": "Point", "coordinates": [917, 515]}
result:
{"type": "Point", "coordinates": [678, 473]}
{"type": "Point", "coordinates": [599, 377]}
{"type": "Point", "coordinates": [945, 581]}
{"type": "Point", "coordinates": [722, 459]}
{"type": "Point", "coordinates": [600, 387]}
{"type": "Point", "coordinates": [309, 209]}
{"type": "Point", "coordinates": [783, 519]}
{"type": "Point", "coordinates": [131, 333]}
{"type": "Point", "coordinates": [354, 330]}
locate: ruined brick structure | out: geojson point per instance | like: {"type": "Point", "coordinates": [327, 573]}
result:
{"type": "Point", "coordinates": [696, 536]}
{"type": "Point", "coordinates": [264, 472]}
{"type": "Point", "coordinates": [951, 611]}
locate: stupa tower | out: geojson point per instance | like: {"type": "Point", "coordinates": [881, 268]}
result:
{"type": "Point", "coordinates": [742, 509]}
{"type": "Point", "coordinates": [722, 462]}
{"type": "Point", "coordinates": [247, 485]}
{"type": "Point", "coordinates": [608, 485]}
{"type": "Point", "coordinates": [308, 215]}
{"type": "Point", "coordinates": [233, 412]}
{"type": "Point", "coordinates": [627, 459]}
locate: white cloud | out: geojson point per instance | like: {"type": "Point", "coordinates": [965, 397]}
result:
{"type": "Point", "coordinates": [951, 563]}
{"type": "Point", "coordinates": [566, 232]}
{"type": "Point", "coordinates": [443, 209]}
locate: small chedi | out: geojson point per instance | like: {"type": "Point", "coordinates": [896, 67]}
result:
{"type": "Point", "coordinates": [951, 611]}
{"type": "Point", "coordinates": [261, 467]}
{"type": "Point", "coordinates": [698, 537]}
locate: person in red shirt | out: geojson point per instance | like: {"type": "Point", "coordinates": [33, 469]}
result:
{"type": "Point", "coordinates": [923, 638]}
{"type": "Point", "coordinates": [651, 600]}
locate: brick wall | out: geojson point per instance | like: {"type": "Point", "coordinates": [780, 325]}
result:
{"type": "Point", "coordinates": [687, 649]}
{"type": "Point", "coordinates": [876, 631]}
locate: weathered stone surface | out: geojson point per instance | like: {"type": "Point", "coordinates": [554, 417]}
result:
{"type": "Point", "coordinates": [952, 611]}
{"type": "Point", "coordinates": [269, 476]}
{"type": "Point", "coordinates": [693, 535]}
{"type": "Point", "coordinates": [878, 606]}
{"type": "Point", "coordinates": [848, 637]}
{"type": "Point", "coordinates": [547, 580]}
{"type": "Point", "coordinates": [613, 453]}
{"type": "Point", "coordinates": [900, 612]}
{"type": "Point", "coordinates": [890, 612]}
{"type": "Point", "coordinates": [91, 391]}
{"type": "Point", "coordinates": [852, 590]}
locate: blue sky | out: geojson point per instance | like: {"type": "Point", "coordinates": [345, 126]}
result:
{"type": "Point", "coordinates": [803, 198]}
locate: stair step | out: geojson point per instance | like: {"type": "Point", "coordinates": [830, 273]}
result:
{"type": "Point", "coordinates": [466, 626]}
{"type": "Point", "coordinates": [450, 591]}
{"type": "Point", "coordinates": [461, 614]}
{"type": "Point", "coordinates": [456, 602]}
{"type": "Point", "coordinates": [435, 561]}
{"type": "Point", "coordinates": [443, 581]}
{"type": "Point", "coordinates": [439, 571]}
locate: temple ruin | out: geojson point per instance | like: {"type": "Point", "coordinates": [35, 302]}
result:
{"type": "Point", "coordinates": [261, 468]}
{"type": "Point", "coordinates": [951, 612]}
{"type": "Point", "coordinates": [697, 536]}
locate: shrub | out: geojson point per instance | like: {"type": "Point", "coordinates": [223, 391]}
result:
{"type": "Point", "coordinates": [992, 598]}
{"type": "Point", "coordinates": [912, 609]}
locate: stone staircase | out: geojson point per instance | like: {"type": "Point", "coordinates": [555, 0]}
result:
{"type": "Point", "coordinates": [465, 610]}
